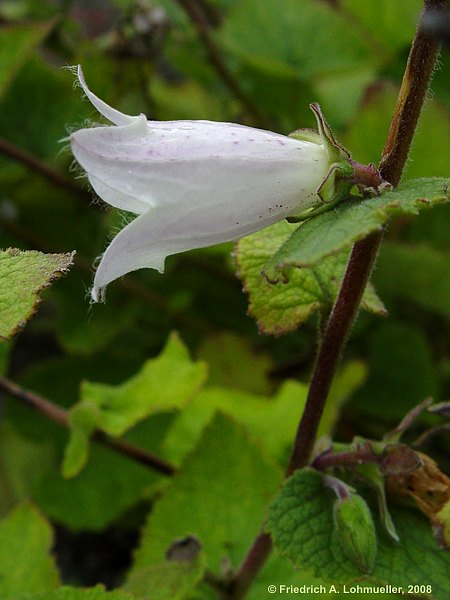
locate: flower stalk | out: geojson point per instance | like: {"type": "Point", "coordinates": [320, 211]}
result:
{"type": "Point", "coordinates": [421, 62]}
{"type": "Point", "coordinates": [195, 184]}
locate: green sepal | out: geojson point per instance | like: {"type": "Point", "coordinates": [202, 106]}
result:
{"type": "Point", "coordinates": [337, 182]}
{"type": "Point", "coordinates": [355, 529]}
{"type": "Point", "coordinates": [371, 474]}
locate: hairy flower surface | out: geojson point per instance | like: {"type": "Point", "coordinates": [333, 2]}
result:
{"type": "Point", "coordinates": [192, 183]}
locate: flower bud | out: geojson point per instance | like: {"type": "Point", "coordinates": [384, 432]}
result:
{"type": "Point", "coordinates": [193, 183]}
{"type": "Point", "coordinates": [356, 532]}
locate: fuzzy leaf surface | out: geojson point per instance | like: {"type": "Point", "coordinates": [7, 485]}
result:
{"type": "Point", "coordinates": [17, 43]}
{"type": "Point", "coordinates": [282, 306]}
{"type": "Point", "coordinates": [301, 523]}
{"type": "Point", "coordinates": [26, 564]}
{"type": "Point", "coordinates": [220, 497]}
{"type": "Point", "coordinates": [23, 275]}
{"type": "Point", "coordinates": [336, 230]}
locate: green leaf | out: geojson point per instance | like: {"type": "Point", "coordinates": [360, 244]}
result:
{"type": "Point", "coordinates": [219, 496]}
{"type": "Point", "coordinates": [301, 523]}
{"type": "Point", "coordinates": [26, 564]}
{"type": "Point", "coordinates": [109, 485]}
{"type": "Point", "coordinates": [163, 384]}
{"type": "Point", "coordinates": [23, 275]}
{"type": "Point", "coordinates": [416, 559]}
{"type": "Point", "coordinates": [291, 41]}
{"type": "Point", "coordinates": [228, 356]}
{"type": "Point", "coordinates": [34, 469]}
{"type": "Point", "coordinates": [401, 372]}
{"type": "Point", "coordinates": [281, 307]}
{"type": "Point", "coordinates": [278, 571]}
{"type": "Point", "coordinates": [84, 418]}
{"type": "Point", "coordinates": [17, 44]}
{"type": "Point", "coordinates": [272, 421]}
{"type": "Point", "coordinates": [58, 378]}
{"type": "Point", "coordinates": [22, 461]}
{"type": "Point", "coordinates": [71, 593]}
{"type": "Point", "coordinates": [86, 331]}
{"type": "Point", "coordinates": [171, 580]}
{"type": "Point", "coordinates": [418, 273]}
{"type": "Point", "coordinates": [42, 89]}
{"type": "Point", "coordinates": [336, 230]}
{"type": "Point", "coordinates": [391, 24]}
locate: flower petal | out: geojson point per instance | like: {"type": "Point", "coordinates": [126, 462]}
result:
{"type": "Point", "coordinates": [104, 154]}
{"type": "Point", "coordinates": [138, 166]}
{"type": "Point", "coordinates": [192, 183]}
{"type": "Point", "coordinates": [166, 230]}
{"type": "Point", "coordinates": [110, 113]}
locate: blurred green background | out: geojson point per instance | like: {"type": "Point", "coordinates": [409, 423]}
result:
{"type": "Point", "coordinates": [247, 61]}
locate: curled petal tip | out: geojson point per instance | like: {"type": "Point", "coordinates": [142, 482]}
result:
{"type": "Point", "coordinates": [194, 183]}
{"type": "Point", "coordinates": [110, 113]}
{"type": "Point", "coordinates": [80, 76]}
{"type": "Point", "coordinates": [97, 295]}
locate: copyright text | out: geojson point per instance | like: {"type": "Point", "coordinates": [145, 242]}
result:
{"type": "Point", "coordinates": [334, 589]}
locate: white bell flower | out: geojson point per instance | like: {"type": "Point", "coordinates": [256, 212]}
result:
{"type": "Point", "coordinates": [197, 183]}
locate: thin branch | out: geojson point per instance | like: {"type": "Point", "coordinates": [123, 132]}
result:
{"type": "Point", "coordinates": [421, 62]}
{"type": "Point", "coordinates": [416, 80]}
{"type": "Point", "coordinates": [61, 417]}
{"type": "Point", "coordinates": [202, 25]}
{"type": "Point", "coordinates": [212, 13]}
{"type": "Point", "coordinates": [257, 555]}
{"type": "Point", "coordinates": [55, 178]}
{"type": "Point", "coordinates": [348, 458]}
{"type": "Point", "coordinates": [418, 73]}
{"type": "Point", "coordinates": [338, 328]}
{"type": "Point", "coordinates": [426, 436]}
{"type": "Point", "coordinates": [42, 169]}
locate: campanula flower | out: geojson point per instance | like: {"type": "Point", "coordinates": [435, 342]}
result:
{"type": "Point", "coordinates": [197, 183]}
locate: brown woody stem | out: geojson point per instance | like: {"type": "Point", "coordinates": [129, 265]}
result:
{"type": "Point", "coordinates": [202, 24]}
{"type": "Point", "coordinates": [42, 169]}
{"type": "Point", "coordinates": [61, 417]}
{"type": "Point", "coordinates": [417, 77]}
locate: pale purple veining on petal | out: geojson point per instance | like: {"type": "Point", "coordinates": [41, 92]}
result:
{"type": "Point", "coordinates": [163, 231]}
{"type": "Point", "coordinates": [135, 168]}
{"type": "Point", "coordinates": [193, 183]}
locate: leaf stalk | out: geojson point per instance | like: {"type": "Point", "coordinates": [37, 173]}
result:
{"type": "Point", "coordinates": [419, 69]}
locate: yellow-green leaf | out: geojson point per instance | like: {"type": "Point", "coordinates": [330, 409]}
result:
{"type": "Point", "coordinates": [23, 275]}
